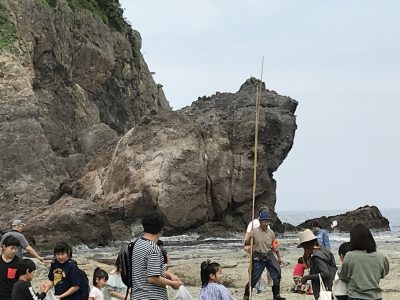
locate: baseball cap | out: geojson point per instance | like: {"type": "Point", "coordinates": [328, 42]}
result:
{"type": "Point", "coordinates": [264, 215]}
{"type": "Point", "coordinates": [18, 223]}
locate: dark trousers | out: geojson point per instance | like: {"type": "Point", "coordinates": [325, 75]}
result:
{"type": "Point", "coordinates": [258, 268]}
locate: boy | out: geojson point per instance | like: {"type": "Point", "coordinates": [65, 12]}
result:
{"type": "Point", "coordinates": [8, 267]}
{"type": "Point", "coordinates": [64, 273]}
{"type": "Point", "coordinates": [339, 288]}
{"type": "Point", "coordinates": [23, 289]}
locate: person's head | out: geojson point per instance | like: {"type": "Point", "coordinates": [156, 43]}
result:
{"type": "Point", "coordinates": [10, 246]}
{"type": "Point", "coordinates": [307, 239]}
{"type": "Point", "coordinates": [263, 207]}
{"type": "Point", "coordinates": [300, 260]}
{"type": "Point", "coordinates": [314, 225]}
{"type": "Point", "coordinates": [17, 225]}
{"type": "Point", "coordinates": [361, 238]}
{"type": "Point", "coordinates": [210, 272]}
{"type": "Point", "coordinates": [62, 252]}
{"type": "Point", "coordinates": [343, 249]}
{"type": "Point", "coordinates": [100, 278]}
{"type": "Point", "coordinates": [153, 223]}
{"type": "Point", "coordinates": [26, 269]}
{"type": "Point", "coordinates": [265, 219]}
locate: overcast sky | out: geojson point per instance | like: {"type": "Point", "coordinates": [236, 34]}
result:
{"type": "Point", "coordinates": [339, 59]}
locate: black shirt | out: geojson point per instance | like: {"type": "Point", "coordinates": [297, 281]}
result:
{"type": "Point", "coordinates": [23, 290]}
{"type": "Point", "coordinates": [8, 276]}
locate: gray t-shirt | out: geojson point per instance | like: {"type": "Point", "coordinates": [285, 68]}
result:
{"type": "Point", "coordinates": [20, 237]}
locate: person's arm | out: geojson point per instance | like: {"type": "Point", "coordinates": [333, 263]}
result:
{"type": "Point", "coordinates": [159, 280]}
{"type": "Point", "coordinates": [248, 237]}
{"type": "Point", "coordinates": [34, 253]}
{"type": "Point", "coordinates": [323, 271]}
{"type": "Point", "coordinates": [118, 295]}
{"type": "Point", "coordinates": [69, 292]}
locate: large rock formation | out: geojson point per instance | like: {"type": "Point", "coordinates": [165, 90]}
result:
{"type": "Point", "coordinates": [82, 116]}
{"type": "Point", "coordinates": [370, 216]}
{"type": "Point", "coordinates": [71, 79]}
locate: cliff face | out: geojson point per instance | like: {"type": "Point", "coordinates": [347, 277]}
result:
{"type": "Point", "coordinates": [88, 140]}
{"type": "Point", "coordinates": [72, 78]}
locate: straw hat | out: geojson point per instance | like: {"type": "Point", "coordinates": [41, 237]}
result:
{"type": "Point", "coordinates": [306, 236]}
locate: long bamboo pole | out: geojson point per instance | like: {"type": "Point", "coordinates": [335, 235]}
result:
{"type": "Point", "coordinates": [258, 101]}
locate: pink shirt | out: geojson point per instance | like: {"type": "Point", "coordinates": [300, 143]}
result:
{"type": "Point", "coordinates": [299, 270]}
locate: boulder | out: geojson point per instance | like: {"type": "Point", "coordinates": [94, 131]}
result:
{"type": "Point", "coordinates": [370, 216]}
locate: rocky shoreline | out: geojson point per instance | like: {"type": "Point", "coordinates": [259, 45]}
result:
{"type": "Point", "coordinates": [234, 261]}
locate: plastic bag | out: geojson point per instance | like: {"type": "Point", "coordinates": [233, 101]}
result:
{"type": "Point", "coordinates": [261, 286]}
{"type": "Point", "coordinates": [183, 294]}
{"type": "Point", "coordinates": [50, 296]}
{"type": "Point", "coordinates": [323, 293]}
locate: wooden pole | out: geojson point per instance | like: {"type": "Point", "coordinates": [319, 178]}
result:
{"type": "Point", "coordinates": [258, 101]}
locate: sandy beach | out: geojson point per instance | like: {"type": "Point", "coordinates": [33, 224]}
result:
{"type": "Point", "coordinates": [186, 265]}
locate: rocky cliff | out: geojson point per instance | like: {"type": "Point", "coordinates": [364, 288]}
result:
{"type": "Point", "coordinates": [88, 140]}
{"type": "Point", "coordinates": [72, 79]}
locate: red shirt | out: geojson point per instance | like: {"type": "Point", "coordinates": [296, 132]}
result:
{"type": "Point", "coordinates": [299, 270]}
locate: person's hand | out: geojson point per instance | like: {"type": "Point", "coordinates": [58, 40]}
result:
{"type": "Point", "coordinates": [251, 233]}
{"type": "Point", "coordinates": [175, 284]}
{"type": "Point", "coordinates": [173, 277]}
{"type": "Point", "coordinates": [304, 279]}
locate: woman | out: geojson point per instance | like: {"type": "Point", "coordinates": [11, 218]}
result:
{"type": "Point", "coordinates": [320, 261]}
{"type": "Point", "coordinates": [363, 267]}
{"type": "Point", "coordinates": [115, 288]}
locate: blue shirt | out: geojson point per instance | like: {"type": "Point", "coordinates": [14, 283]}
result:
{"type": "Point", "coordinates": [323, 238]}
{"type": "Point", "coordinates": [64, 276]}
{"type": "Point", "coordinates": [214, 291]}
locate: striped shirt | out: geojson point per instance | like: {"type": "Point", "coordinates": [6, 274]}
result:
{"type": "Point", "coordinates": [214, 291]}
{"type": "Point", "coordinates": [147, 261]}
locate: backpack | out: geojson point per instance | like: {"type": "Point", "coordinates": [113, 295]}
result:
{"type": "Point", "coordinates": [125, 261]}
{"type": "Point", "coordinates": [84, 287]}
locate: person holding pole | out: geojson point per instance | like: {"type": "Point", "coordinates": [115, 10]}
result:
{"type": "Point", "coordinates": [263, 256]}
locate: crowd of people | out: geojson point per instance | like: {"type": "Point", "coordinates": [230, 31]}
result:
{"type": "Point", "coordinates": [362, 267]}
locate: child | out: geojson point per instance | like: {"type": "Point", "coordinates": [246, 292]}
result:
{"type": "Point", "coordinates": [339, 288]}
{"type": "Point", "coordinates": [64, 273]}
{"type": "Point", "coordinates": [23, 289]}
{"type": "Point", "coordinates": [115, 288]}
{"type": "Point", "coordinates": [8, 266]}
{"type": "Point", "coordinates": [100, 278]}
{"type": "Point", "coordinates": [298, 273]}
{"type": "Point", "coordinates": [211, 278]}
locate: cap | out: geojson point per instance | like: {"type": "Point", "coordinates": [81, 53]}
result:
{"type": "Point", "coordinates": [264, 215]}
{"type": "Point", "coordinates": [17, 223]}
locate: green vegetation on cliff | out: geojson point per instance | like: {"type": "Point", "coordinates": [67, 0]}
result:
{"type": "Point", "coordinates": [8, 33]}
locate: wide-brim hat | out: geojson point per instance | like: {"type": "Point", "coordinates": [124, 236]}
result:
{"type": "Point", "coordinates": [306, 236]}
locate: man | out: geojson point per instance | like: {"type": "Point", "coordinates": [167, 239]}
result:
{"type": "Point", "coordinates": [17, 227]}
{"type": "Point", "coordinates": [149, 275]}
{"type": "Point", "coordinates": [263, 256]}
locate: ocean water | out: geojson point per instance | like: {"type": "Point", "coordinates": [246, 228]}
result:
{"type": "Point", "coordinates": [188, 246]}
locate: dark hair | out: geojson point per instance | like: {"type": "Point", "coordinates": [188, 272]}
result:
{"type": "Point", "coordinates": [63, 247]}
{"type": "Point", "coordinates": [11, 241]}
{"type": "Point", "coordinates": [24, 266]}
{"type": "Point", "coordinates": [118, 264]}
{"type": "Point", "coordinates": [153, 223]}
{"type": "Point", "coordinates": [207, 268]}
{"type": "Point", "coordinates": [314, 223]}
{"type": "Point", "coordinates": [344, 248]}
{"type": "Point", "coordinates": [310, 244]}
{"type": "Point", "coordinates": [300, 260]}
{"type": "Point", "coordinates": [361, 238]}
{"type": "Point", "coordinates": [99, 274]}
{"type": "Point", "coordinates": [160, 243]}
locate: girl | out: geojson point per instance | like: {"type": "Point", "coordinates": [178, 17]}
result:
{"type": "Point", "coordinates": [115, 288]}
{"type": "Point", "coordinates": [320, 261]}
{"type": "Point", "coordinates": [211, 278]}
{"type": "Point", "coordinates": [363, 267]}
{"type": "Point", "coordinates": [100, 278]}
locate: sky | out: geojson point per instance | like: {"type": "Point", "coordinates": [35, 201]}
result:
{"type": "Point", "coordinates": [339, 59]}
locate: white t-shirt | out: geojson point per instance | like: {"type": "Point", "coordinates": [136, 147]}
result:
{"type": "Point", "coordinates": [96, 294]}
{"type": "Point", "coordinates": [256, 223]}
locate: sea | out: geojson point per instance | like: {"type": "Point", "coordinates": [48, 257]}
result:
{"type": "Point", "coordinates": [190, 245]}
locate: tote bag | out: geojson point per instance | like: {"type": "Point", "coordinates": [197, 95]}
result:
{"type": "Point", "coordinates": [323, 293]}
